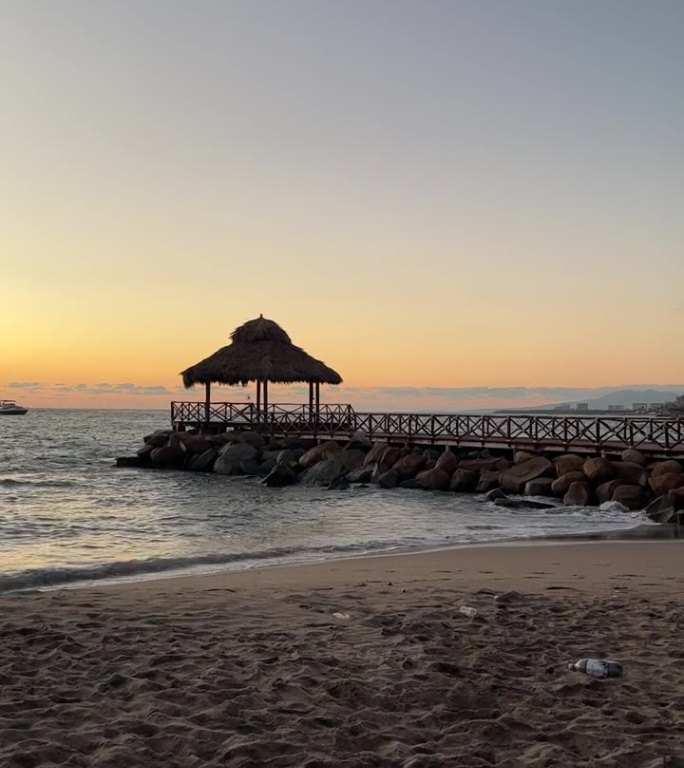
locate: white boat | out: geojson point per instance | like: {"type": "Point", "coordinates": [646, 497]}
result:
{"type": "Point", "coordinates": [10, 408]}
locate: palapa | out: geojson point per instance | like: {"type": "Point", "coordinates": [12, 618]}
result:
{"type": "Point", "coordinates": [261, 351]}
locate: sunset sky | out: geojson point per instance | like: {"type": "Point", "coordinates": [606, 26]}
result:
{"type": "Point", "coordinates": [439, 194]}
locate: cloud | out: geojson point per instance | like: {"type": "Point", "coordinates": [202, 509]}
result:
{"type": "Point", "coordinates": [103, 388]}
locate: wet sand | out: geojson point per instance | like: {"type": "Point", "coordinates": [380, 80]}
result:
{"type": "Point", "coordinates": [363, 662]}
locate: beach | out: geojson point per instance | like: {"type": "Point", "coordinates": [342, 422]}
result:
{"type": "Point", "coordinates": [358, 662]}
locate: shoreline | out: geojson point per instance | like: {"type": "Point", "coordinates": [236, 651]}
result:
{"type": "Point", "coordinates": [641, 532]}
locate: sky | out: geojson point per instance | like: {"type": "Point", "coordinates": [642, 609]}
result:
{"type": "Point", "coordinates": [430, 196]}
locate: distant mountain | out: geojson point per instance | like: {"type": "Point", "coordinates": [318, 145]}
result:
{"type": "Point", "coordinates": [626, 397]}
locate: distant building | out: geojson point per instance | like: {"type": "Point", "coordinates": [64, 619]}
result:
{"type": "Point", "coordinates": [582, 407]}
{"type": "Point", "coordinates": [640, 407]}
{"type": "Point", "coordinates": [614, 408]}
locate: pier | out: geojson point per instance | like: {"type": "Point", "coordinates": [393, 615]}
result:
{"type": "Point", "coordinates": [658, 437]}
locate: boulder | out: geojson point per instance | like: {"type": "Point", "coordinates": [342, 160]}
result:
{"type": "Point", "coordinates": [266, 467]}
{"type": "Point", "coordinates": [676, 496]}
{"type": "Point", "coordinates": [464, 480]}
{"type": "Point", "coordinates": [131, 461]}
{"type": "Point", "coordinates": [375, 454]}
{"type": "Point", "coordinates": [494, 494]}
{"type": "Point", "coordinates": [166, 456]}
{"type": "Point", "coordinates": [632, 456]}
{"type": "Point", "coordinates": [479, 464]}
{"type": "Point", "coordinates": [540, 486]}
{"type": "Point", "coordinates": [661, 484]}
{"type": "Point", "coordinates": [391, 455]}
{"type": "Point", "coordinates": [411, 484]}
{"type": "Point", "coordinates": [487, 481]}
{"type": "Point", "coordinates": [606, 490]}
{"type": "Point", "coordinates": [144, 452]}
{"type": "Point", "coordinates": [578, 494]}
{"type": "Point", "coordinates": [361, 474]}
{"type": "Point", "coordinates": [560, 485]}
{"type": "Point", "coordinates": [409, 466]}
{"type": "Point", "coordinates": [352, 458]}
{"type": "Point", "coordinates": [431, 454]}
{"type": "Point", "coordinates": [447, 461]}
{"type": "Point", "coordinates": [324, 473]}
{"type": "Point", "coordinates": [669, 467]}
{"type": "Point", "coordinates": [359, 442]}
{"type": "Point", "coordinates": [520, 457]}
{"type": "Point", "coordinates": [255, 439]}
{"type": "Point", "coordinates": [598, 469]}
{"type": "Point", "coordinates": [630, 473]}
{"type": "Point", "coordinates": [158, 438]}
{"type": "Point", "coordinates": [320, 452]}
{"type": "Point", "coordinates": [433, 479]}
{"type": "Point", "coordinates": [193, 443]}
{"type": "Point", "coordinates": [230, 457]}
{"type": "Point", "coordinates": [250, 466]}
{"type": "Point", "coordinates": [203, 462]}
{"type": "Point", "coordinates": [514, 479]}
{"type": "Point", "coordinates": [505, 501]}
{"type": "Point", "coordinates": [281, 475]}
{"type": "Point", "coordinates": [630, 496]}
{"type": "Point", "coordinates": [568, 462]}
{"type": "Point", "coordinates": [661, 510]}
{"type": "Point", "coordinates": [388, 479]}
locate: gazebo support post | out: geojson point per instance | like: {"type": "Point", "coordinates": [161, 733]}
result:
{"type": "Point", "coordinates": [265, 398]}
{"type": "Point", "coordinates": [207, 400]}
{"type": "Point", "coordinates": [318, 398]}
{"type": "Point", "coordinates": [258, 398]}
{"type": "Point", "coordinates": [311, 399]}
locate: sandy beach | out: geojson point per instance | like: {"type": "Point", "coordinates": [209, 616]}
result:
{"type": "Point", "coordinates": [364, 662]}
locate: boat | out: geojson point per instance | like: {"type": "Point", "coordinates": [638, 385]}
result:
{"type": "Point", "coordinates": [10, 408]}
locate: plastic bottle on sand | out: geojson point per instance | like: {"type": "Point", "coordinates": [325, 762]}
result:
{"type": "Point", "coordinates": [600, 668]}
{"type": "Point", "coordinates": [468, 611]}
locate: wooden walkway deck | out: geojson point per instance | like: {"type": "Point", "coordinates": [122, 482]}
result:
{"type": "Point", "coordinates": [561, 433]}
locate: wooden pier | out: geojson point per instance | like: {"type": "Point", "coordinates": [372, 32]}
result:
{"type": "Point", "coordinates": [555, 433]}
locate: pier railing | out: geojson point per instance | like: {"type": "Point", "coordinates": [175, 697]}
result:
{"type": "Point", "coordinates": [553, 432]}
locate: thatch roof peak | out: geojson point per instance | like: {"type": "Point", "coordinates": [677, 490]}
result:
{"type": "Point", "coordinates": [260, 350]}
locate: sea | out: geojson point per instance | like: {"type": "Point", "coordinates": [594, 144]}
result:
{"type": "Point", "coordinates": [68, 516]}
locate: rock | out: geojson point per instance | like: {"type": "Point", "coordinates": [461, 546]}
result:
{"type": "Point", "coordinates": [409, 466]}
{"type": "Point", "coordinates": [340, 484]}
{"type": "Point", "coordinates": [431, 454]}
{"type": "Point", "coordinates": [522, 503]}
{"type": "Point", "coordinates": [520, 457]}
{"type": "Point", "coordinates": [351, 458]}
{"type": "Point", "coordinates": [281, 475]}
{"type": "Point", "coordinates": [318, 453]}
{"type": "Point", "coordinates": [606, 490]}
{"type": "Point", "coordinates": [250, 466]}
{"type": "Point", "coordinates": [131, 461]}
{"type": "Point", "coordinates": [231, 456]}
{"type": "Point", "coordinates": [494, 495]}
{"type": "Point", "coordinates": [144, 452]}
{"type": "Point", "coordinates": [464, 480]}
{"type": "Point", "coordinates": [433, 479]}
{"type": "Point", "coordinates": [664, 482]}
{"type": "Point", "coordinates": [266, 467]}
{"type": "Point", "coordinates": [598, 469]}
{"type": "Point", "coordinates": [540, 486]}
{"type": "Point", "coordinates": [158, 438]}
{"type": "Point", "coordinates": [375, 454]}
{"type": "Point", "coordinates": [632, 456]}
{"type": "Point", "coordinates": [361, 474]}
{"type": "Point", "coordinates": [487, 481]}
{"type": "Point", "coordinates": [324, 473]}
{"type": "Point", "coordinates": [391, 455]}
{"type": "Point", "coordinates": [255, 439]}
{"type": "Point", "coordinates": [514, 479]}
{"type": "Point", "coordinates": [411, 484]}
{"type": "Point", "coordinates": [578, 494]}
{"type": "Point", "coordinates": [568, 462]}
{"type": "Point", "coordinates": [561, 484]}
{"type": "Point", "coordinates": [479, 464]}
{"type": "Point", "coordinates": [676, 496]}
{"type": "Point", "coordinates": [630, 496]}
{"type": "Point", "coordinates": [630, 473]}
{"type": "Point", "coordinates": [669, 467]}
{"type": "Point", "coordinates": [166, 456]}
{"type": "Point", "coordinates": [204, 462]}
{"type": "Point", "coordinates": [447, 461]}
{"type": "Point", "coordinates": [358, 442]}
{"type": "Point", "coordinates": [661, 510]}
{"type": "Point", "coordinates": [388, 479]}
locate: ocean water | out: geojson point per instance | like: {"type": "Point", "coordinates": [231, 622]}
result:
{"type": "Point", "coordinates": [68, 516]}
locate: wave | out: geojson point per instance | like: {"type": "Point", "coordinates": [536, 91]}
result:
{"type": "Point", "coordinates": [36, 578]}
{"type": "Point", "coordinates": [12, 482]}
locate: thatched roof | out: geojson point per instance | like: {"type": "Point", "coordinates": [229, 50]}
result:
{"type": "Point", "coordinates": [260, 350]}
